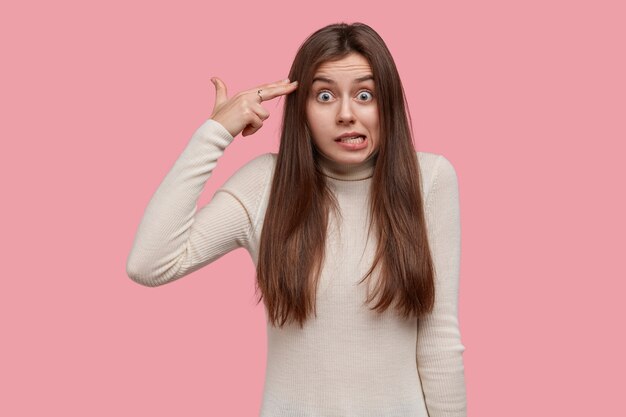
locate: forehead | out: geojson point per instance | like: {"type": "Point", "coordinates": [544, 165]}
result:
{"type": "Point", "coordinates": [353, 64]}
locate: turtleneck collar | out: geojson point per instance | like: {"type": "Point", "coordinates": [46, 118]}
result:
{"type": "Point", "coordinates": [344, 172]}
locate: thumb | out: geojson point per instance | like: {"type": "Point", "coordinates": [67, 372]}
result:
{"type": "Point", "coordinates": [220, 91]}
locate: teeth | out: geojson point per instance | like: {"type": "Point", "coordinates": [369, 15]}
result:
{"type": "Point", "coordinates": [354, 139]}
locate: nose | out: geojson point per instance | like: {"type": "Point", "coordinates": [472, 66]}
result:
{"type": "Point", "coordinates": [345, 114]}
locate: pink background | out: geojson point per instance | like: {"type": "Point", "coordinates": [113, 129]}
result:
{"type": "Point", "coordinates": [527, 99]}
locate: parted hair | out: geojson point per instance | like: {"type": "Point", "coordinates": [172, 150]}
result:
{"type": "Point", "coordinates": [292, 243]}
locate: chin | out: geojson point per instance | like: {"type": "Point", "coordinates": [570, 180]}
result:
{"type": "Point", "coordinates": [353, 158]}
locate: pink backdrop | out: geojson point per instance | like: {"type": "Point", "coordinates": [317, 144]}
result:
{"type": "Point", "coordinates": [527, 100]}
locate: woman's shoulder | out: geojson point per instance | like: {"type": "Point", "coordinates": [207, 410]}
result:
{"type": "Point", "coordinates": [252, 175]}
{"type": "Point", "coordinates": [432, 162]}
{"type": "Point", "coordinates": [435, 167]}
{"type": "Point", "coordinates": [250, 185]}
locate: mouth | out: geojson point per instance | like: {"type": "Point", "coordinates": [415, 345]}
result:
{"type": "Point", "coordinates": [353, 143]}
{"type": "Point", "coordinates": [351, 139]}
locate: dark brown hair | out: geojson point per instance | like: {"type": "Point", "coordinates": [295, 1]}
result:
{"type": "Point", "coordinates": [291, 252]}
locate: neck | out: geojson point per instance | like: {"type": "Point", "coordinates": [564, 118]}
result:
{"type": "Point", "coordinates": [347, 172]}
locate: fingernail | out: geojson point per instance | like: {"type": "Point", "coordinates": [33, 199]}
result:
{"type": "Point", "coordinates": [295, 82]}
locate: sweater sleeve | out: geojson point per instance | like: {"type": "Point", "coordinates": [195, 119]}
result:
{"type": "Point", "coordinates": [439, 346]}
{"type": "Point", "coordinates": [173, 238]}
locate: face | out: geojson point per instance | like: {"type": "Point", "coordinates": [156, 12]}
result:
{"type": "Point", "coordinates": [342, 101]}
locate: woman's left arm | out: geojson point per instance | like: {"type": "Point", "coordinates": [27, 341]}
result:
{"type": "Point", "coordinates": [439, 352]}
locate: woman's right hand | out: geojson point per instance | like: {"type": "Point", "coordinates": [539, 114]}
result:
{"type": "Point", "coordinates": [243, 112]}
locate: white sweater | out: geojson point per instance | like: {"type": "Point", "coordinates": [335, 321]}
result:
{"type": "Point", "coordinates": [349, 360]}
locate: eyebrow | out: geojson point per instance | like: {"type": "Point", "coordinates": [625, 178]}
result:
{"type": "Point", "coordinates": [357, 80]}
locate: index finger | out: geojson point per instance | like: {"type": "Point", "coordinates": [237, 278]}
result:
{"type": "Point", "coordinates": [266, 86]}
{"type": "Point", "coordinates": [274, 91]}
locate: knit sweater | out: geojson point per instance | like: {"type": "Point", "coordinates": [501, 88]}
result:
{"type": "Point", "coordinates": [349, 360]}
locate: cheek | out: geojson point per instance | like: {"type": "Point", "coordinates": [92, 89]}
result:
{"type": "Point", "coordinates": [311, 120]}
{"type": "Point", "coordinates": [370, 113]}
{"type": "Point", "coordinates": [317, 119]}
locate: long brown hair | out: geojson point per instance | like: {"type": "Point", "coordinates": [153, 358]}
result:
{"type": "Point", "coordinates": [292, 245]}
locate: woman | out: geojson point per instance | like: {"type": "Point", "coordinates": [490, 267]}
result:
{"type": "Point", "coordinates": [355, 235]}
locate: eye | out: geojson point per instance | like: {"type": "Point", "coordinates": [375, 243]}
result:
{"type": "Point", "coordinates": [324, 95]}
{"type": "Point", "coordinates": [365, 94]}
